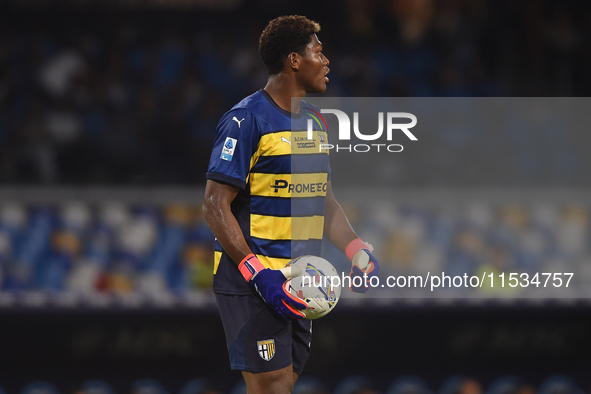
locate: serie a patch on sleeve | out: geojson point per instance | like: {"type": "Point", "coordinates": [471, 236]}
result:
{"type": "Point", "coordinates": [228, 149]}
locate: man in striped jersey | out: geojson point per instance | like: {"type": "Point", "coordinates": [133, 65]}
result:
{"type": "Point", "coordinates": [268, 199]}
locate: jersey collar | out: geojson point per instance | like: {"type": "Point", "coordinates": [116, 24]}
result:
{"type": "Point", "coordinates": [293, 115]}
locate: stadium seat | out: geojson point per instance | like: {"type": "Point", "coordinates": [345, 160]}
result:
{"type": "Point", "coordinates": [239, 388]}
{"type": "Point", "coordinates": [505, 385]}
{"type": "Point", "coordinates": [40, 387]}
{"type": "Point", "coordinates": [559, 384]}
{"type": "Point", "coordinates": [147, 386]}
{"type": "Point", "coordinates": [353, 384]}
{"type": "Point", "coordinates": [309, 385]}
{"type": "Point", "coordinates": [459, 384]}
{"type": "Point", "coordinates": [409, 385]}
{"type": "Point", "coordinates": [195, 386]}
{"type": "Point", "coordinates": [452, 385]}
{"type": "Point", "coordinates": [97, 387]}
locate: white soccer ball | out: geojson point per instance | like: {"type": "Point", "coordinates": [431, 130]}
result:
{"type": "Point", "coordinates": [318, 285]}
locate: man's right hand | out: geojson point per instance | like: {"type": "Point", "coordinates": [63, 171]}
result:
{"type": "Point", "coordinates": [270, 284]}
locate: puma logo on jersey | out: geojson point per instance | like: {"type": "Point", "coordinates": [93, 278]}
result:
{"type": "Point", "coordinates": [283, 139]}
{"type": "Point", "coordinates": [235, 119]}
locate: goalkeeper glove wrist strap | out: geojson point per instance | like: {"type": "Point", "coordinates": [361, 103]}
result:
{"type": "Point", "coordinates": [354, 246]}
{"type": "Point", "coordinates": [250, 266]}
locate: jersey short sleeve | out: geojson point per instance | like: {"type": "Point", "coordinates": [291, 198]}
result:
{"type": "Point", "coordinates": [236, 140]}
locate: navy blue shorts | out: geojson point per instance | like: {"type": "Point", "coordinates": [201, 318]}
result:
{"type": "Point", "coordinates": [258, 339]}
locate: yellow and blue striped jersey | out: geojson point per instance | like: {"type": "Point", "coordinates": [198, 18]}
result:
{"type": "Point", "coordinates": [282, 175]}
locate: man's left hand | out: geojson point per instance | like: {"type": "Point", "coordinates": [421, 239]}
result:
{"type": "Point", "coordinates": [365, 265]}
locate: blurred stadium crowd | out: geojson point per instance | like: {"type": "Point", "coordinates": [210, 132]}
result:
{"type": "Point", "coordinates": [89, 250]}
{"type": "Point", "coordinates": [479, 236]}
{"type": "Point", "coordinates": [355, 384]}
{"type": "Point", "coordinates": [121, 96]}
{"type": "Point", "coordinates": [111, 249]}
{"type": "Point", "coordinates": [114, 96]}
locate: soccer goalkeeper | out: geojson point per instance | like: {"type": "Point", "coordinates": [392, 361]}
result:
{"type": "Point", "coordinates": [259, 218]}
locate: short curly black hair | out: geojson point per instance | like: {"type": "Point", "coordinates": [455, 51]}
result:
{"type": "Point", "coordinates": [283, 36]}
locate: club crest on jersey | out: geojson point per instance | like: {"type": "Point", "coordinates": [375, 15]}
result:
{"type": "Point", "coordinates": [228, 149]}
{"type": "Point", "coordinates": [266, 349]}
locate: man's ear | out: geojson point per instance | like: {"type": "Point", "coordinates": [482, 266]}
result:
{"type": "Point", "coordinates": [294, 60]}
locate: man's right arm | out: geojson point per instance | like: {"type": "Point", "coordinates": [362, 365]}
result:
{"type": "Point", "coordinates": [270, 284]}
{"type": "Point", "coordinates": [221, 221]}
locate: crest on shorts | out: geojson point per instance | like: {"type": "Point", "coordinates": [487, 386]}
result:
{"type": "Point", "coordinates": [266, 349]}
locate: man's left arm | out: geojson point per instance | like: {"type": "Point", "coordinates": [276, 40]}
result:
{"type": "Point", "coordinates": [339, 232]}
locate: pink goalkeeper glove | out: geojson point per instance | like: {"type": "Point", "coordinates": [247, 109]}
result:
{"type": "Point", "coordinates": [365, 265]}
{"type": "Point", "coordinates": [270, 284]}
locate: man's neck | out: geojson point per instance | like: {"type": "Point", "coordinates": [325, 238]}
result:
{"type": "Point", "coordinates": [282, 89]}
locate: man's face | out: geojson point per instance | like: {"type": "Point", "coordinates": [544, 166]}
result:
{"type": "Point", "coordinates": [312, 73]}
